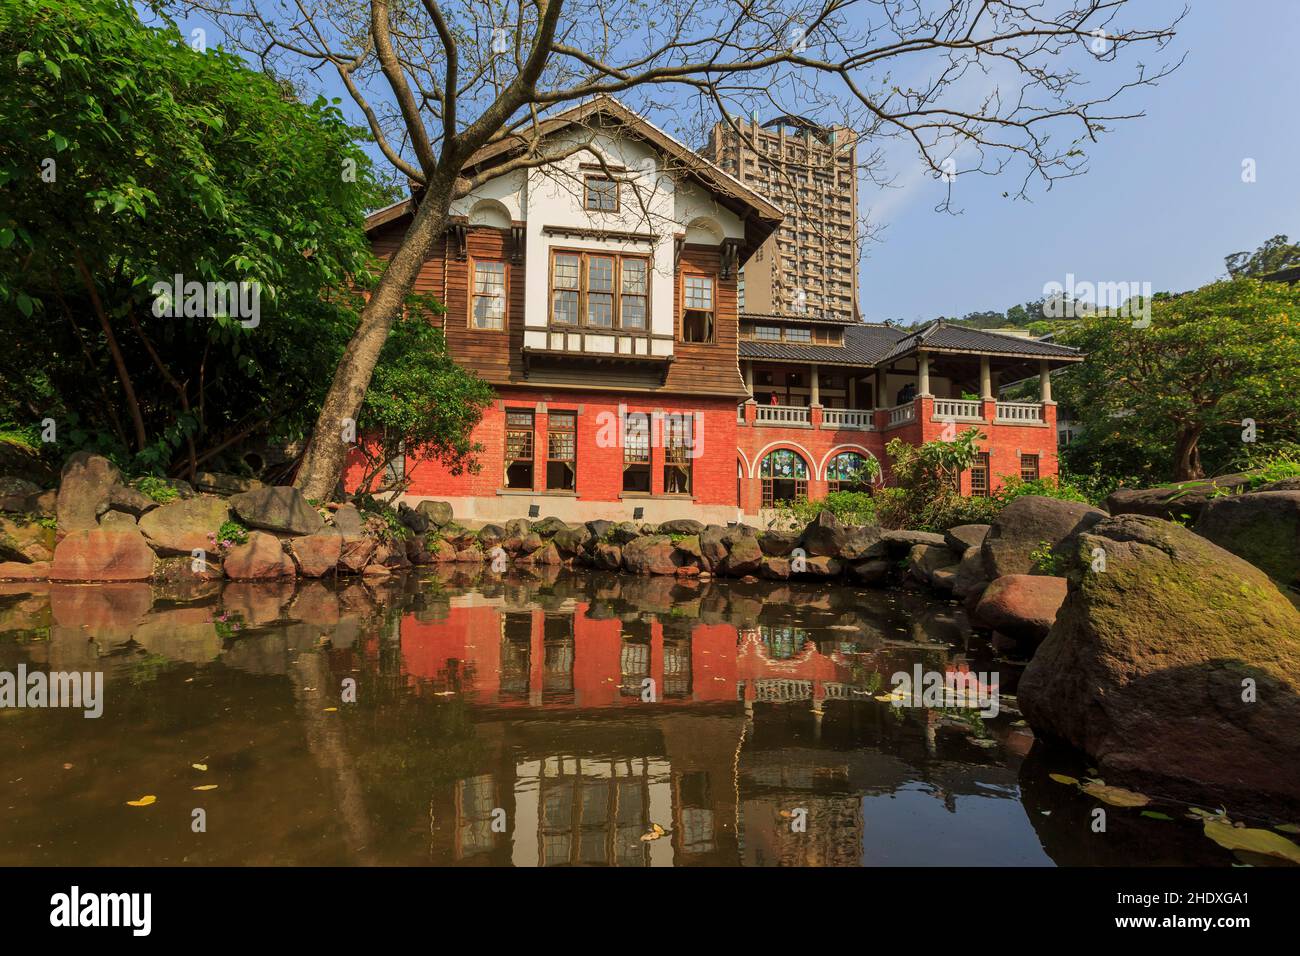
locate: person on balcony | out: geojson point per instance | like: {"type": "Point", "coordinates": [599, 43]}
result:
{"type": "Point", "coordinates": [772, 400]}
{"type": "Point", "coordinates": [906, 394]}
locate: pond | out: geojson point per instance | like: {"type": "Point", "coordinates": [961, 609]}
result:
{"type": "Point", "coordinates": [461, 718]}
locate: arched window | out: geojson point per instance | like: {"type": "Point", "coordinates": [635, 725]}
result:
{"type": "Point", "coordinates": [785, 477]}
{"type": "Point", "coordinates": [849, 471]}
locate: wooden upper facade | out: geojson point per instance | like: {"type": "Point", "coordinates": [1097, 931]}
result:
{"type": "Point", "coordinates": [613, 268]}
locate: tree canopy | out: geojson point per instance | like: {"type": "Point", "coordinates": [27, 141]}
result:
{"type": "Point", "coordinates": [1213, 377]}
{"type": "Point", "coordinates": [130, 159]}
{"type": "Point", "coordinates": [1272, 255]}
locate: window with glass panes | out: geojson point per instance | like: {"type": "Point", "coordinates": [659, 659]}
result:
{"type": "Point", "coordinates": [489, 306]}
{"type": "Point", "coordinates": [601, 194]}
{"type": "Point", "coordinates": [1028, 467]}
{"type": "Point", "coordinates": [697, 308]}
{"type": "Point", "coordinates": [561, 451]}
{"type": "Point", "coordinates": [636, 453]}
{"type": "Point", "coordinates": [979, 476]}
{"type": "Point", "coordinates": [678, 454]}
{"type": "Point", "coordinates": [519, 448]}
{"type": "Point", "coordinates": [600, 291]}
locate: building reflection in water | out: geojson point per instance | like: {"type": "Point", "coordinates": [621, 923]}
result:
{"type": "Point", "coordinates": [598, 725]}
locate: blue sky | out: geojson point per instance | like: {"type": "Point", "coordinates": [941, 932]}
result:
{"type": "Point", "coordinates": [1163, 201]}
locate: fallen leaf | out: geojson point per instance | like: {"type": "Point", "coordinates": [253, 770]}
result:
{"type": "Point", "coordinates": [330, 710]}
{"type": "Point", "coordinates": [1156, 815]}
{"type": "Point", "coordinates": [1115, 796]}
{"type": "Point", "coordinates": [67, 766]}
{"type": "Point", "coordinates": [656, 831]}
{"type": "Point", "coordinates": [142, 802]}
{"type": "Point", "coordinates": [207, 786]}
{"type": "Point", "coordinates": [1288, 827]}
{"type": "Point", "coordinates": [1252, 840]}
{"type": "Point", "coordinates": [199, 766]}
{"type": "Point", "coordinates": [1062, 778]}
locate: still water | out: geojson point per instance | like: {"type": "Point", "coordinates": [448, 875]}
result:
{"type": "Point", "coordinates": [553, 719]}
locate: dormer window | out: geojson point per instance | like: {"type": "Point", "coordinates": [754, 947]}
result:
{"type": "Point", "coordinates": [798, 335]}
{"type": "Point", "coordinates": [697, 309]}
{"type": "Point", "coordinates": [600, 194]}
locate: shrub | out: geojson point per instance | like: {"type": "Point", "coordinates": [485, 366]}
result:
{"type": "Point", "coordinates": [157, 489]}
{"type": "Point", "coordinates": [230, 534]}
{"type": "Point", "coordinates": [850, 507]}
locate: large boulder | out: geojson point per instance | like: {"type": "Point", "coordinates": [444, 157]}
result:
{"type": "Point", "coordinates": [607, 556]}
{"type": "Point", "coordinates": [1028, 523]}
{"type": "Point", "coordinates": [1022, 606]}
{"type": "Point", "coordinates": [24, 571]}
{"type": "Point", "coordinates": [1263, 528]}
{"type": "Point", "coordinates": [570, 542]}
{"type": "Point", "coordinates": [412, 519]}
{"type": "Point", "coordinates": [23, 540]}
{"type": "Point", "coordinates": [221, 483]}
{"type": "Point", "coordinates": [347, 519]}
{"type": "Point", "coordinates": [317, 554]}
{"type": "Point", "coordinates": [1178, 661]}
{"type": "Point", "coordinates": [84, 489]}
{"type": "Point", "coordinates": [1183, 501]}
{"type": "Point", "coordinates": [713, 545]}
{"type": "Point", "coordinates": [127, 499]}
{"type": "Point", "coordinates": [623, 532]}
{"type": "Point", "coordinates": [777, 544]}
{"type": "Point", "coordinates": [260, 558]}
{"type": "Point", "coordinates": [925, 559]}
{"type": "Point", "coordinates": [439, 513]}
{"type": "Point", "coordinates": [862, 541]}
{"type": "Point", "coordinates": [598, 527]}
{"type": "Point", "coordinates": [548, 527]}
{"type": "Point", "coordinates": [186, 524]}
{"type": "Point", "coordinates": [281, 508]}
{"type": "Point", "coordinates": [898, 544]}
{"type": "Point", "coordinates": [824, 535]}
{"type": "Point", "coordinates": [966, 536]}
{"type": "Point", "coordinates": [681, 526]}
{"type": "Point", "coordinates": [651, 554]}
{"type": "Point", "coordinates": [103, 554]}
{"type": "Point", "coordinates": [970, 574]}
{"type": "Point", "coordinates": [744, 556]}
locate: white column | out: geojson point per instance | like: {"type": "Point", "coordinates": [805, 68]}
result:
{"type": "Point", "coordinates": [749, 379]}
{"type": "Point", "coordinates": [853, 392]}
{"type": "Point", "coordinates": [1045, 383]}
{"type": "Point", "coordinates": [986, 379]}
{"type": "Point", "coordinates": [816, 394]}
{"type": "Point", "coordinates": [923, 374]}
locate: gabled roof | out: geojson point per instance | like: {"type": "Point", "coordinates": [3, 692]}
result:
{"type": "Point", "coordinates": [876, 345]}
{"type": "Point", "coordinates": [759, 215]}
{"type": "Point", "coordinates": [941, 337]}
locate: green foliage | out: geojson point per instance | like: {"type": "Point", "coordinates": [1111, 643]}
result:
{"type": "Point", "coordinates": [167, 161]}
{"type": "Point", "coordinates": [230, 534]}
{"type": "Point", "coordinates": [1044, 560]}
{"type": "Point", "coordinates": [850, 507]}
{"type": "Point", "coordinates": [157, 489]}
{"type": "Point", "coordinates": [1275, 254]}
{"type": "Point", "coordinates": [421, 406]}
{"type": "Point", "coordinates": [1168, 401]}
{"type": "Point", "coordinates": [1013, 487]}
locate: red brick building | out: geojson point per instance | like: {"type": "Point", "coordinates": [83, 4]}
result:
{"type": "Point", "coordinates": [597, 295]}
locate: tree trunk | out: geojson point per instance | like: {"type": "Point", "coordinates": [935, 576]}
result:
{"type": "Point", "coordinates": [327, 451]}
{"type": "Point", "coordinates": [1187, 454]}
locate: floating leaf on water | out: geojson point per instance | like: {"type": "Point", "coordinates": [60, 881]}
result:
{"type": "Point", "coordinates": [1115, 796]}
{"type": "Point", "coordinates": [199, 766]}
{"type": "Point", "coordinates": [143, 801]}
{"type": "Point", "coordinates": [1062, 778]}
{"type": "Point", "coordinates": [1156, 815]}
{"type": "Point", "coordinates": [207, 786]}
{"type": "Point", "coordinates": [1251, 840]}
{"type": "Point", "coordinates": [1288, 827]}
{"type": "Point", "coordinates": [656, 831]}
{"type": "Point", "coordinates": [330, 710]}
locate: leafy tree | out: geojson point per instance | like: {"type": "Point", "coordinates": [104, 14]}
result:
{"type": "Point", "coordinates": [439, 81]}
{"type": "Point", "coordinates": [129, 159]}
{"type": "Point", "coordinates": [1275, 254]}
{"type": "Point", "coordinates": [1211, 363]}
{"type": "Point", "coordinates": [419, 400]}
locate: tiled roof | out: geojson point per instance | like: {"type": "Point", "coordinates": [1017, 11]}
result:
{"type": "Point", "coordinates": [956, 338]}
{"type": "Point", "coordinates": [873, 344]}
{"type": "Point", "coordinates": [830, 318]}
{"type": "Point", "coordinates": [863, 345]}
